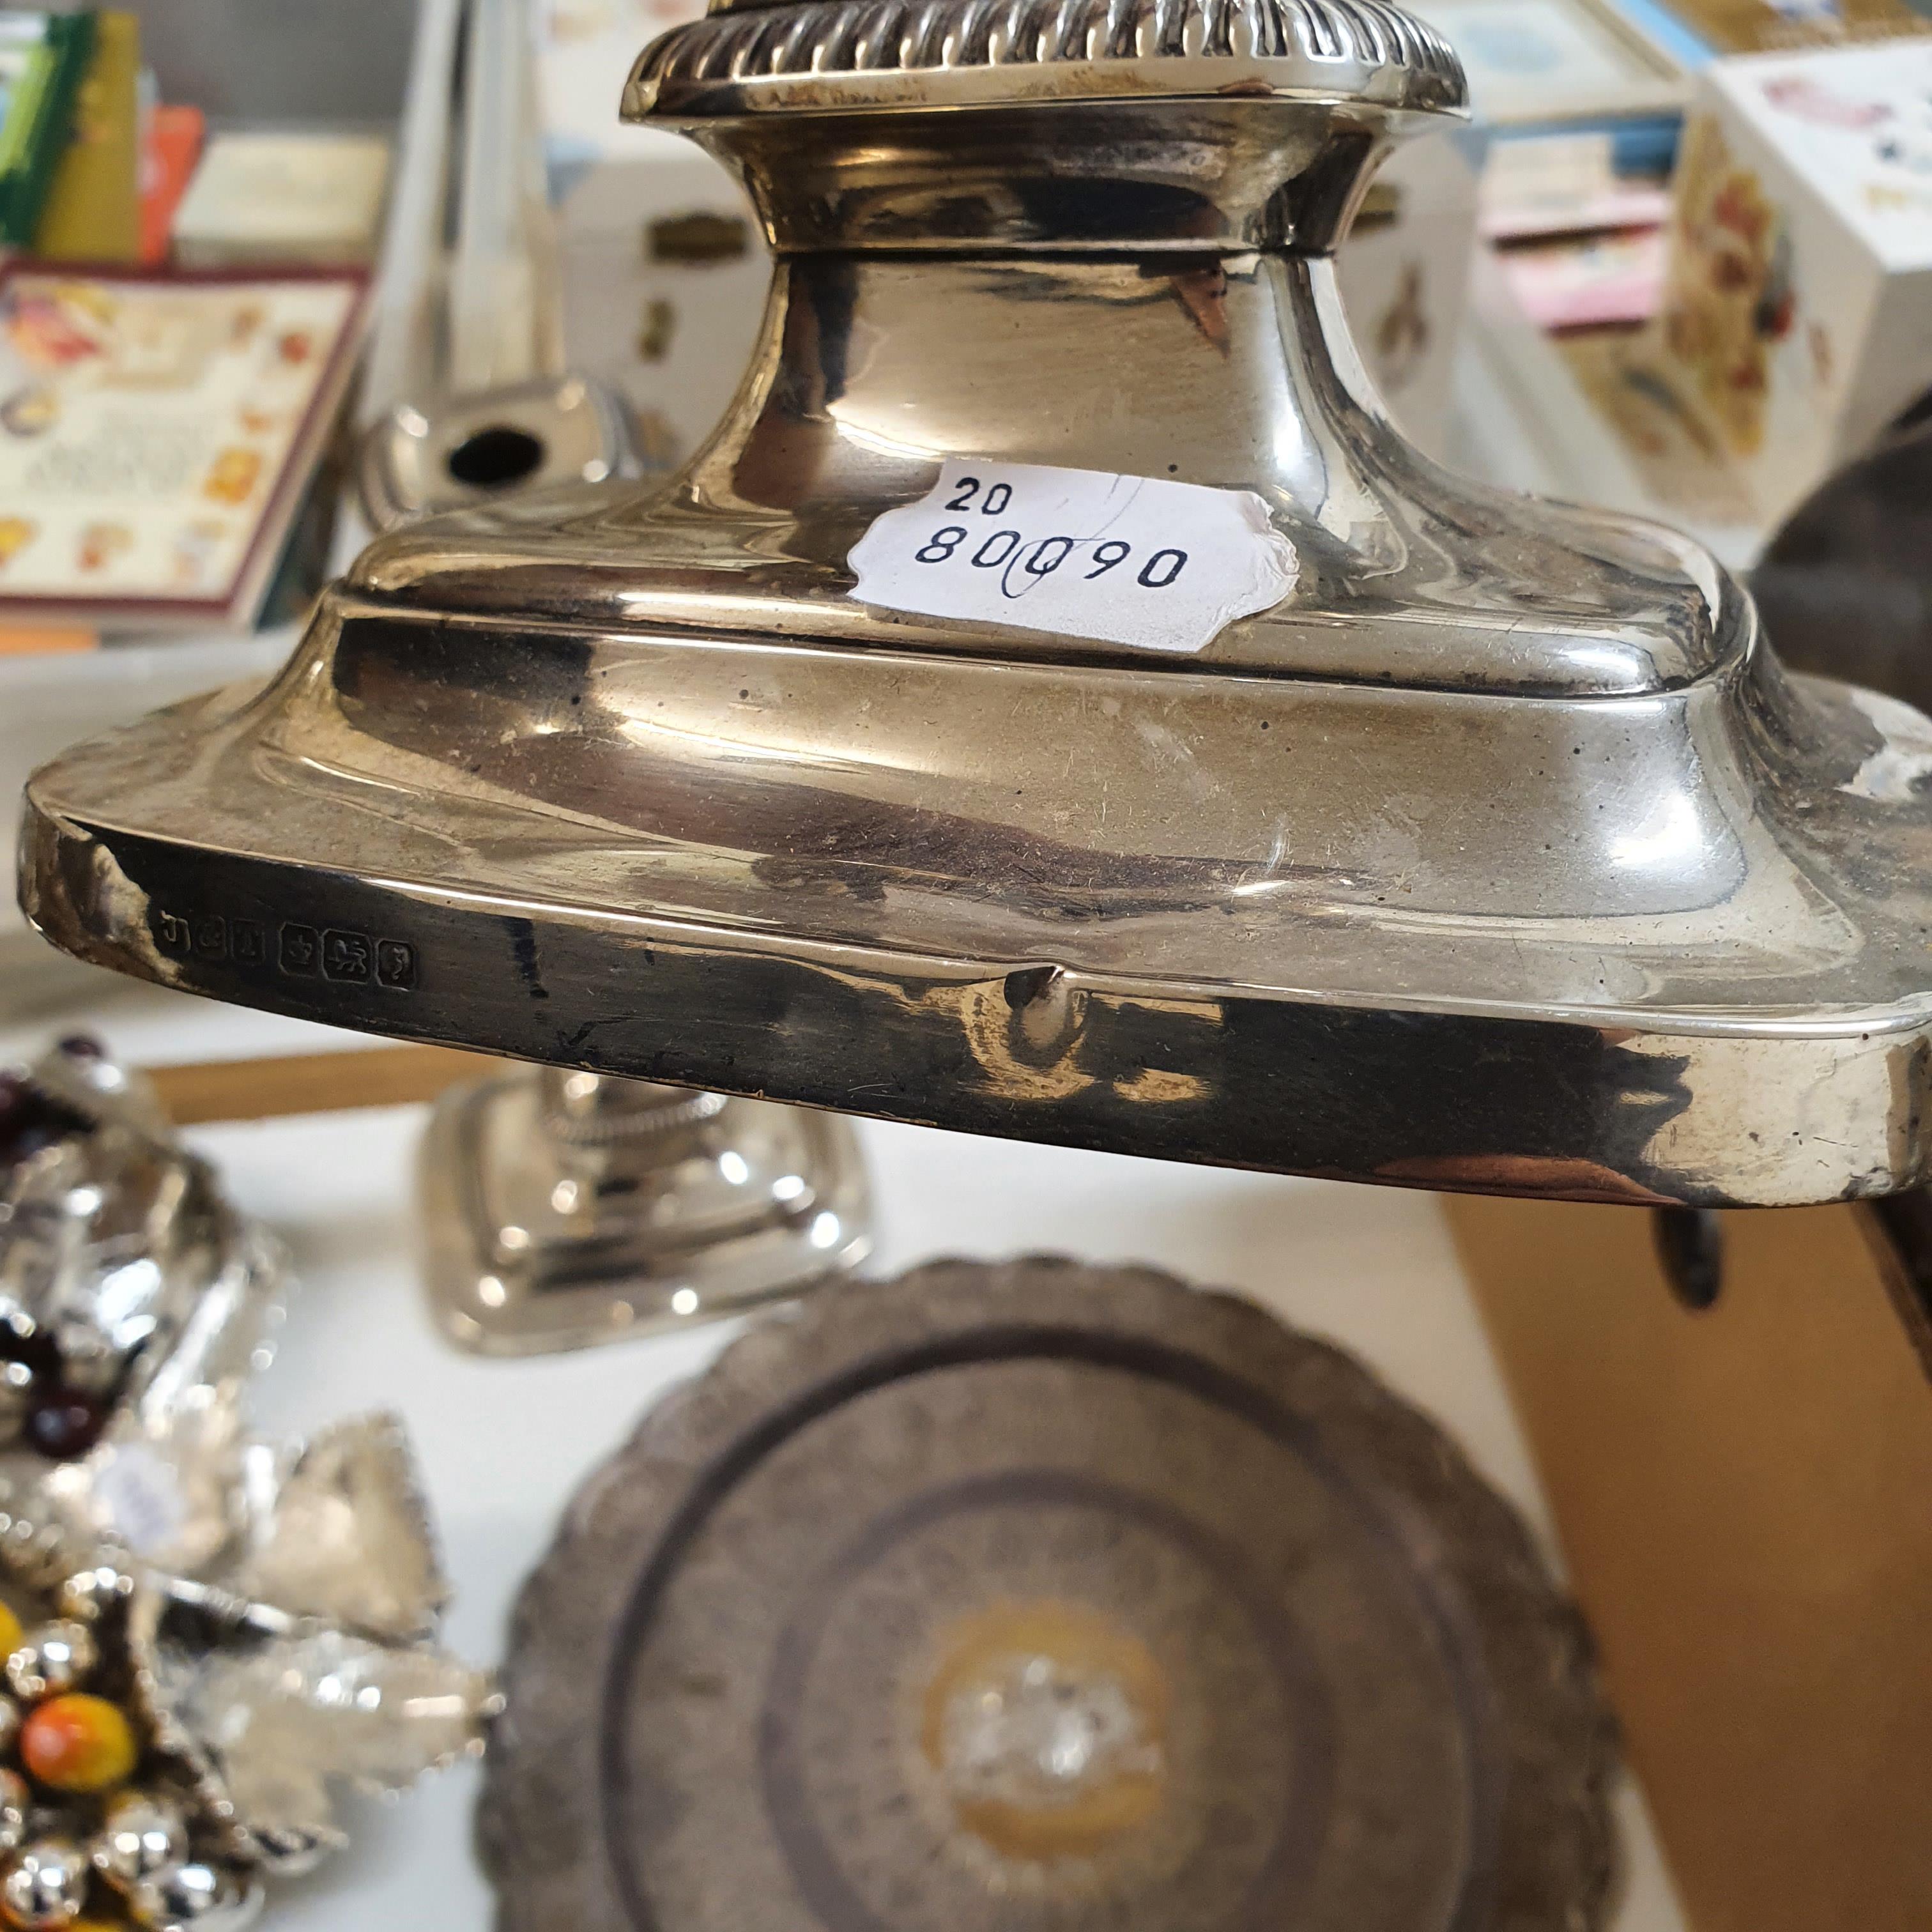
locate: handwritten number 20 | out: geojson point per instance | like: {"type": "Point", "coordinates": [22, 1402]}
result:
{"type": "Point", "coordinates": [997, 497]}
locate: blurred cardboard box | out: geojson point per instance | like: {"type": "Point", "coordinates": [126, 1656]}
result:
{"type": "Point", "coordinates": [663, 270]}
{"type": "Point", "coordinates": [290, 197]}
{"type": "Point", "coordinates": [1404, 274]}
{"type": "Point", "coordinates": [1768, 26]}
{"type": "Point", "coordinates": [1739, 1487]}
{"type": "Point", "coordinates": [1797, 313]}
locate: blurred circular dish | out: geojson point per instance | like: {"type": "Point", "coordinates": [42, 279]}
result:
{"type": "Point", "coordinates": [1046, 1596]}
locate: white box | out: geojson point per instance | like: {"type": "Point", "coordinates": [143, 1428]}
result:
{"type": "Point", "coordinates": [674, 334]}
{"type": "Point", "coordinates": [1797, 319]}
{"type": "Point", "coordinates": [300, 199]}
{"type": "Point", "coordinates": [1544, 63]}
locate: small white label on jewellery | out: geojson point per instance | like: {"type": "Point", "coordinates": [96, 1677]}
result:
{"type": "Point", "coordinates": [1134, 560]}
{"type": "Point", "coordinates": [142, 1497]}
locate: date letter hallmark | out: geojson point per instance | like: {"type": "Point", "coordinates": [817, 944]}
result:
{"type": "Point", "coordinates": [290, 950]}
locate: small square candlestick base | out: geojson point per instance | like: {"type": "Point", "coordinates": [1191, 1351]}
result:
{"type": "Point", "coordinates": [563, 1209]}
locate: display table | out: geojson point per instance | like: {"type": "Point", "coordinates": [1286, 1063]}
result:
{"type": "Point", "coordinates": [503, 1444]}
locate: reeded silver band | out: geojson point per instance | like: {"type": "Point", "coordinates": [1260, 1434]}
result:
{"type": "Point", "coordinates": [832, 55]}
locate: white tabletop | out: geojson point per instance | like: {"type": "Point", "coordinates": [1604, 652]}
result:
{"type": "Point", "coordinates": [503, 1444]}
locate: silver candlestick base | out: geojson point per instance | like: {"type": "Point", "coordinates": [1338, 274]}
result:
{"type": "Point", "coordinates": [562, 1209]}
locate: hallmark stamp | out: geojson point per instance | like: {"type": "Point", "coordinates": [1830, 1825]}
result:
{"type": "Point", "coordinates": [395, 964]}
{"type": "Point", "coordinates": [299, 951]}
{"type": "Point", "coordinates": [345, 956]}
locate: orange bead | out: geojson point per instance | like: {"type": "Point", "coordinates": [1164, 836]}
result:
{"type": "Point", "coordinates": [79, 1743]}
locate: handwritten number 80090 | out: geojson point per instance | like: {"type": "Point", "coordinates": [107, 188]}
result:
{"type": "Point", "coordinates": [1047, 554]}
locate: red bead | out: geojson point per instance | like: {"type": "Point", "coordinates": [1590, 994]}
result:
{"type": "Point", "coordinates": [79, 1743]}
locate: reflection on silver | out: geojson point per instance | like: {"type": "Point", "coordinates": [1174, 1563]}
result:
{"type": "Point", "coordinates": [141, 1836]}
{"type": "Point", "coordinates": [496, 408]}
{"type": "Point", "coordinates": [44, 1885]}
{"type": "Point", "coordinates": [1500, 855]}
{"type": "Point", "coordinates": [564, 1209]}
{"type": "Point", "coordinates": [1038, 1734]}
{"type": "Point", "coordinates": [291, 1719]}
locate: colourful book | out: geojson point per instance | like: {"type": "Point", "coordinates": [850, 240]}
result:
{"type": "Point", "coordinates": [158, 434]}
{"type": "Point", "coordinates": [169, 153]}
{"type": "Point", "coordinates": [1589, 282]}
{"type": "Point", "coordinates": [1783, 26]}
{"type": "Point", "coordinates": [43, 57]}
{"type": "Point", "coordinates": [93, 209]}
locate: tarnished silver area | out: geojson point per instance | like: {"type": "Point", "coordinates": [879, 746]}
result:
{"type": "Point", "coordinates": [564, 1209]}
{"type": "Point", "coordinates": [1052, 1598]}
{"type": "Point", "coordinates": [1498, 854]}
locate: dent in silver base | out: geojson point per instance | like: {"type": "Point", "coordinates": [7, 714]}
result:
{"type": "Point", "coordinates": [564, 1209]}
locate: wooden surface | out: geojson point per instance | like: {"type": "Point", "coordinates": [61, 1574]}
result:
{"type": "Point", "coordinates": [311, 1083]}
{"type": "Point", "coordinates": [1744, 1499]}
{"type": "Point", "coordinates": [1762, 26]}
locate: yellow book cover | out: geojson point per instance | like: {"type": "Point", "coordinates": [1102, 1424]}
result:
{"type": "Point", "coordinates": [93, 209]}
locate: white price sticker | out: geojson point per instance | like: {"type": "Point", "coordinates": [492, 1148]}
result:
{"type": "Point", "coordinates": [142, 1496]}
{"type": "Point", "coordinates": [1135, 560]}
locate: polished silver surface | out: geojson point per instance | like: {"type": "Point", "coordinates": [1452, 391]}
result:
{"type": "Point", "coordinates": [464, 448]}
{"type": "Point", "coordinates": [494, 407]}
{"type": "Point", "coordinates": [561, 1209]}
{"type": "Point", "coordinates": [757, 56]}
{"type": "Point", "coordinates": [648, 1238]}
{"type": "Point", "coordinates": [1196, 124]}
{"type": "Point", "coordinates": [1500, 854]}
